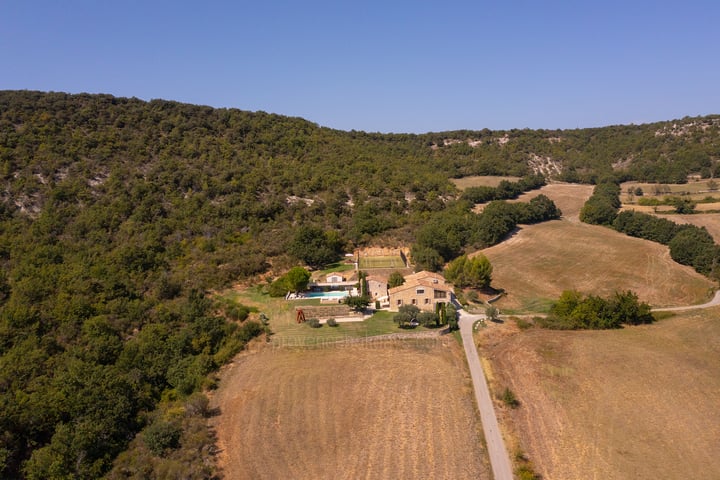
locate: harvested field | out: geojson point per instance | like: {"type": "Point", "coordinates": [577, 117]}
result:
{"type": "Point", "coordinates": [536, 264]}
{"type": "Point", "coordinates": [381, 410]}
{"type": "Point", "coordinates": [481, 181]}
{"type": "Point", "coordinates": [568, 197]}
{"type": "Point", "coordinates": [662, 189]}
{"type": "Point", "coordinates": [669, 209]}
{"type": "Point", "coordinates": [539, 261]}
{"type": "Point", "coordinates": [641, 402]}
{"type": "Point", "coordinates": [711, 221]}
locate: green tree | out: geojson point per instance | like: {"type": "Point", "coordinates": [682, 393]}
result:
{"type": "Point", "coordinates": [297, 279]}
{"type": "Point", "coordinates": [426, 258]}
{"type": "Point", "coordinates": [358, 303]}
{"type": "Point", "coordinates": [395, 280]}
{"type": "Point", "coordinates": [602, 207]}
{"type": "Point", "coordinates": [314, 246]}
{"type": "Point", "coordinates": [161, 436]}
{"type": "Point", "coordinates": [473, 272]}
{"type": "Point", "coordinates": [684, 206]}
{"type": "Point", "coordinates": [575, 311]}
{"type": "Point", "coordinates": [411, 310]}
{"type": "Point", "coordinates": [428, 319]}
{"type": "Point", "coordinates": [402, 319]}
{"type": "Point", "coordinates": [451, 315]}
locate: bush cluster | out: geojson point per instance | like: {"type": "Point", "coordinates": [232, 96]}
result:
{"type": "Point", "coordinates": [473, 272]}
{"type": "Point", "coordinates": [575, 311]}
{"type": "Point", "coordinates": [444, 236]}
{"type": "Point", "coordinates": [602, 207]}
{"type": "Point", "coordinates": [505, 190]}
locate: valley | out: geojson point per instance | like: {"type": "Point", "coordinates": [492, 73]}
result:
{"type": "Point", "coordinates": [145, 253]}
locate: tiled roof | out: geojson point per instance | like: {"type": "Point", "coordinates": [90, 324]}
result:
{"type": "Point", "coordinates": [431, 280]}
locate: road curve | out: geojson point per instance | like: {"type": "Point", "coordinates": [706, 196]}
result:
{"type": "Point", "coordinates": [499, 459]}
{"type": "Point", "coordinates": [712, 303]}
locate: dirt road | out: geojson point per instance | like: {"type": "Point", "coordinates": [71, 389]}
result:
{"type": "Point", "coordinates": [499, 459]}
{"type": "Point", "coordinates": [712, 303]}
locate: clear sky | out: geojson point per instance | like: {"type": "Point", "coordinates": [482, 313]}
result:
{"type": "Point", "coordinates": [387, 66]}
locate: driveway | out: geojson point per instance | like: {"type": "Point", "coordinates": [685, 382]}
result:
{"type": "Point", "coordinates": [499, 459]}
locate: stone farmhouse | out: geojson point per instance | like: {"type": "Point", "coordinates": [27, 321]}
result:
{"type": "Point", "coordinates": [423, 289]}
{"type": "Point", "coordinates": [377, 288]}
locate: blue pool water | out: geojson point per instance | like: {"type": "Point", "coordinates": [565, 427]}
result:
{"type": "Point", "coordinates": [325, 294]}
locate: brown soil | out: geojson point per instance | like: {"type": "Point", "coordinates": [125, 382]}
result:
{"type": "Point", "coordinates": [641, 402]}
{"type": "Point", "coordinates": [384, 410]}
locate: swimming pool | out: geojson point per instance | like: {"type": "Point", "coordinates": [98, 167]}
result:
{"type": "Point", "coordinates": [326, 294]}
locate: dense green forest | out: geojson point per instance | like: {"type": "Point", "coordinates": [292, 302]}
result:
{"type": "Point", "coordinates": [118, 216]}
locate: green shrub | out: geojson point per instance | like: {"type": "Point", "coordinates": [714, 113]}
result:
{"type": "Point", "coordinates": [161, 436]}
{"type": "Point", "coordinates": [402, 319]}
{"type": "Point", "coordinates": [428, 319]}
{"type": "Point", "coordinates": [525, 472]}
{"type": "Point", "coordinates": [509, 398]}
{"type": "Point", "coordinates": [473, 296]}
{"type": "Point", "coordinates": [314, 323]}
{"type": "Point", "coordinates": [197, 404]}
{"type": "Point", "coordinates": [523, 324]}
{"type": "Point", "coordinates": [331, 322]}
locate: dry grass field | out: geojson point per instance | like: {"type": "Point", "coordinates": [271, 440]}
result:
{"type": "Point", "coordinates": [400, 410]}
{"type": "Point", "coordinates": [481, 181]}
{"type": "Point", "coordinates": [540, 261]}
{"type": "Point", "coordinates": [641, 402]}
{"type": "Point", "coordinates": [711, 221]}
{"type": "Point", "coordinates": [568, 197]}
{"type": "Point", "coordinates": [692, 188]}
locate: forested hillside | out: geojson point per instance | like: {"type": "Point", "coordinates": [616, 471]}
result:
{"type": "Point", "coordinates": [117, 216]}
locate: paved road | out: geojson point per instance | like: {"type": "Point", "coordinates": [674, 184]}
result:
{"type": "Point", "coordinates": [712, 303]}
{"type": "Point", "coordinates": [499, 459]}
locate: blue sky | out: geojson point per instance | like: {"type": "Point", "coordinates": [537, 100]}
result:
{"type": "Point", "coordinates": [388, 66]}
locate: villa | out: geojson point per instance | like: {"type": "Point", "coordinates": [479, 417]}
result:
{"type": "Point", "coordinates": [423, 289]}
